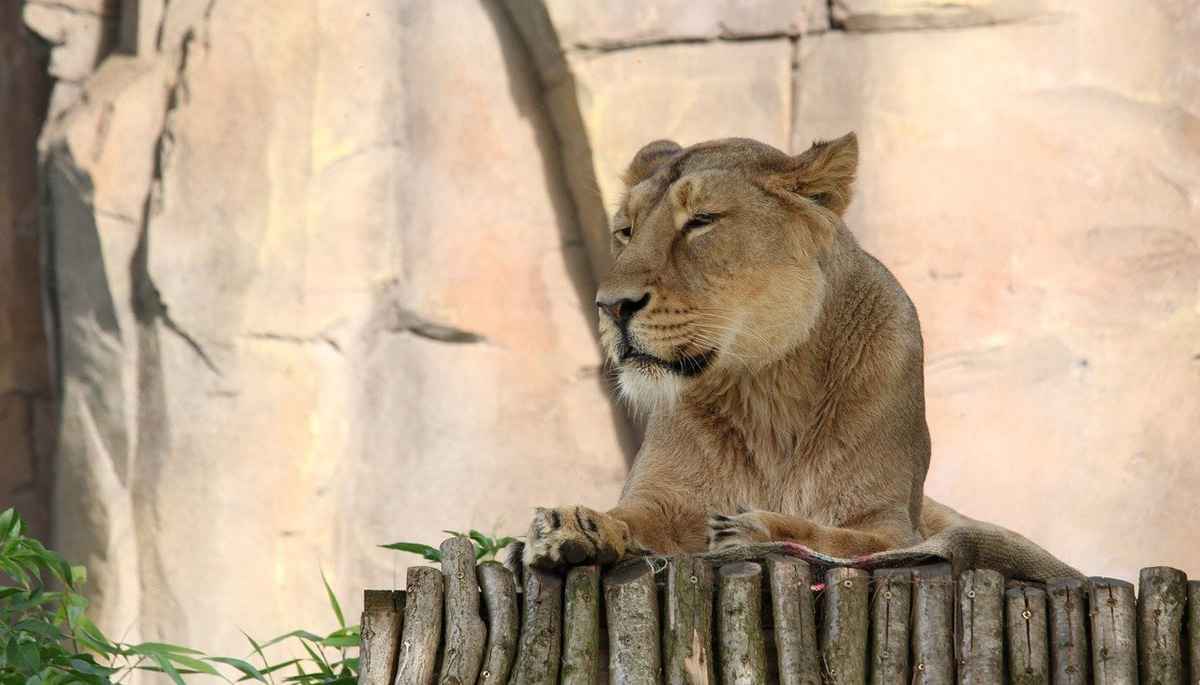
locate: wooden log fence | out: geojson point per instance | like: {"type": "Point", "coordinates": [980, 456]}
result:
{"type": "Point", "coordinates": [680, 620]}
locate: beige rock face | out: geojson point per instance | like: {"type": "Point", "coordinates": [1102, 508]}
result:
{"type": "Point", "coordinates": [581, 24]}
{"type": "Point", "coordinates": [881, 15]}
{"type": "Point", "coordinates": [322, 273]}
{"type": "Point", "coordinates": [1040, 201]}
{"type": "Point", "coordinates": [80, 34]}
{"type": "Point", "coordinates": [1030, 172]}
{"type": "Point", "coordinates": [26, 426]}
{"type": "Point", "coordinates": [310, 306]}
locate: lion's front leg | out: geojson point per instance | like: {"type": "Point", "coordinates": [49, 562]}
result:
{"type": "Point", "coordinates": [765, 526]}
{"type": "Point", "coordinates": [561, 536]}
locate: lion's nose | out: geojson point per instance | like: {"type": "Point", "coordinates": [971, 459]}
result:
{"type": "Point", "coordinates": [623, 310]}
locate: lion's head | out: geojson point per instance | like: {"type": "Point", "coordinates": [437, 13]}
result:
{"type": "Point", "coordinates": [719, 253]}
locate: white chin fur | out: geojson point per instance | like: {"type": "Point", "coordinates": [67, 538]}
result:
{"type": "Point", "coordinates": [649, 391]}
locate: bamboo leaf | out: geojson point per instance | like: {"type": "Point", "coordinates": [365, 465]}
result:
{"type": "Point", "coordinates": [166, 666]}
{"type": "Point", "coordinates": [244, 667]}
{"type": "Point", "coordinates": [333, 602]}
{"type": "Point", "coordinates": [429, 553]}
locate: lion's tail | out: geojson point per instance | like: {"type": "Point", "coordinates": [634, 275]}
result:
{"type": "Point", "coordinates": [969, 543]}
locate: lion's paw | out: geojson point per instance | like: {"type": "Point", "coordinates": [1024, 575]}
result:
{"type": "Point", "coordinates": [562, 536]}
{"type": "Point", "coordinates": [740, 529]}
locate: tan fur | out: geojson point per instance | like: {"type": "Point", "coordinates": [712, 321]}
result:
{"type": "Point", "coordinates": [795, 406]}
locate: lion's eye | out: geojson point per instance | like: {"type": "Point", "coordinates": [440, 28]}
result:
{"type": "Point", "coordinates": [624, 233]}
{"type": "Point", "coordinates": [699, 221]}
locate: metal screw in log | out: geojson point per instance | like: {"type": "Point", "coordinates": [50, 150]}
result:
{"type": "Point", "coordinates": [844, 629]}
{"type": "Point", "coordinates": [1114, 655]}
{"type": "Point", "coordinates": [741, 651]}
{"type": "Point", "coordinates": [981, 617]}
{"type": "Point", "coordinates": [933, 625]}
{"type": "Point", "coordinates": [633, 634]}
{"type": "Point", "coordinates": [891, 604]}
{"type": "Point", "coordinates": [1070, 657]}
{"type": "Point", "coordinates": [1028, 651]}
{"type": "Point", "coordinates": [418, 650]}
{"type": "Point", "coordinates": [1162, 600]}
{"type": "Point", "coordinates": [687, 622]}
{"type": "Point", "coordinates": [465, 631]}
{"type": "Point", "coordinates": [795, 621]}
{"type": "Point", "coordinates": [541, 632]}
{"type": "Point", "coordinates": [500, 597]}
{"type": "Point", "coordinates": [581, 627]}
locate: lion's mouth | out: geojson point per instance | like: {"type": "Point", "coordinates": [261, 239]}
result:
{"type": "Point", "coordinates": [684, 365]}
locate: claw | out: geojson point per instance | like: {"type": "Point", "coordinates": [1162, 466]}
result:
{"type": "Point", "coordinates": [607, 555]}
{"type": "Point", "coordinates": [574, 551]}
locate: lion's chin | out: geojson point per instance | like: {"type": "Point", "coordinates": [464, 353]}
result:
{"type": "Point", "coordinates": [648, 388]}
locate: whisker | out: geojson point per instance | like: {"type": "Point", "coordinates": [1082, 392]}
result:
{"type": "Point", "coordinates": [747, 329]}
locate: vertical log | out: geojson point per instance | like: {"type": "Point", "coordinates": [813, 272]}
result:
{"type": "Point", "coordinates": [380, 635]}
{"type": "Point", "coordinates": [742, 653]}
{"type": "Point", "coordinates": [1193, 629]}
{"type": "Point", "coordinates": [795, 621]}
{"type": "Point", "coordinates": [1161, 602]}
{"type": "Point", "coordinates": [1028, 651]}
{"type": "Point", "coordinates": [687, 633]}
{"type": "Point", "coordinates": [981, 617]}
{"type": "Point", "coordinates": [1070, 658]}
{"type": "Point", "coordinates": [422, 627]}
{"type": "Point", "coordinates": [844, 630]}
{"type": "Point", "coordinates": [541, 633]}
{"type": "Point", "coordinates": [891, 604]}
{"type": "Point", "coordinates": [465, 632]}
{"type": "Point", "coordinates": [499, 591]}
{"type": "Point", "coordinates": [631, 599]}
{"type": "Point", "coordinates": [1114, 654]}
{"type": "Point", "coordinates": [581, 627]}
{"type": "Point", "coordinates": [933, 625]}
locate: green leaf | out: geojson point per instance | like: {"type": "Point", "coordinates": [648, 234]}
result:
{"type": "Point", "coordinates": [11, 525]}
{"type": "Point", "coordinates": [430, 553]}
{"type": "Point", "coordinates": [242, 666]}
{"type": "Point", "coordinates": [148, 648]}
{"type": "Point", "coordinates": [81, 666]}
{"type": "Point", "coordinates": [341, 641]}
{"type": "Point", "coordinates": [279, 666]}
{"type": "Point", "coordinates": [484, 541]}
{"type": "Point", "coordinates": [257, 647]}
{"type": "Point", "coordinates": [26, 657]}
{"type": "Point", "coordinates": [39, 627]}
{"type": "Point", "coordinates": [318, 659]}
{"type": "Point", "coordinates": [194, 664]}
{"type": "Point", "coordinates": [344, 631]}
{"type": "Point", "coordinates": [337, 609]}
{"type": "Point", "coordinates": [302, 634]}
{"type": "Point", "coordinates": [166, 666]}
{"type": "Point", "coordinates": [87, 633]}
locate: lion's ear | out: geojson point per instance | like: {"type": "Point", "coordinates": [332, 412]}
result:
{"type": "Point", "coordinates": [824, 173]}
{"type": "Point", "coordinates": [648, 160]}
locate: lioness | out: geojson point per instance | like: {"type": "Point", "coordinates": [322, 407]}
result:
{"type": "Point", "coordinates": [780, 364]}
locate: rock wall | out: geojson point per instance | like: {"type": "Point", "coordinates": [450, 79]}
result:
{"type": "Point", "coordinates": [1030, 171]}
{"type": "Point", "coordinates": [26, 426]}
{"type": "Point", "coordinates": [320, 276]}
{"type": "Point", "coordinates": [318, 288]}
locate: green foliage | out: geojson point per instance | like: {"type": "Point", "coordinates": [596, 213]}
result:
{"type": "Point", "coordinates": [46, 638]}
{"type": "Point", "coordinates": [486, 548]}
